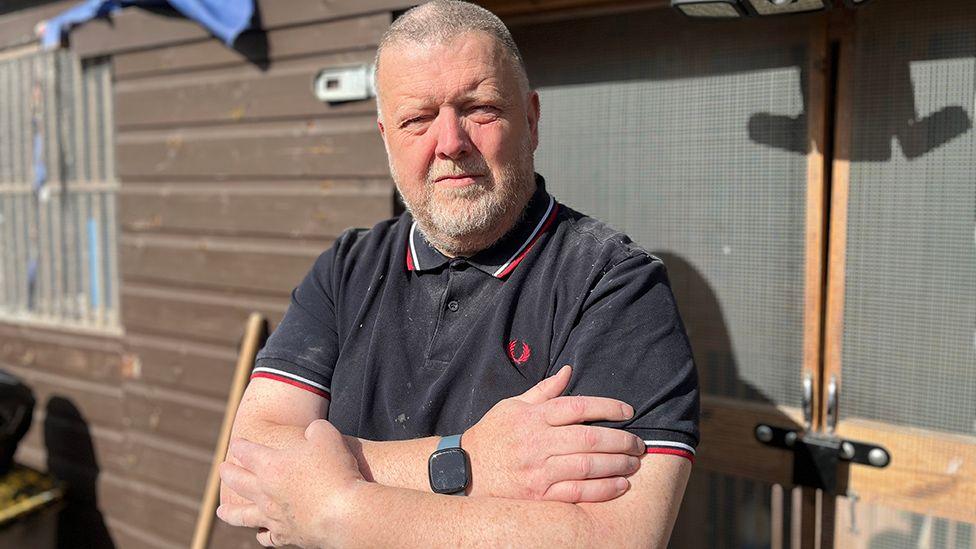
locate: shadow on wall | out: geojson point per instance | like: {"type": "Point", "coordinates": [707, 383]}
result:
{"type": "Point", "coordinates": [253, 44]}
{"type": "Point", "coordinates": [719, 510]}
{"type": "Point", "coordinates": [917, 135]}
{"type": "Point", "coordinates": [71, 458]}
{"type": "Point", "coordinates": [888, 104]}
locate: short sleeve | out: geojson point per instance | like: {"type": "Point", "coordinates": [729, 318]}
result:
{"type": "Point", "coordinates": [303, 349]}
{"type": "Point", "coordinates": [630, 344]}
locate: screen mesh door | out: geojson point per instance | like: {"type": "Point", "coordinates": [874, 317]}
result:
{"type": "Point", "coordinates": [692, 138]}
{"type": "Point", "coordinates": [908, 345]}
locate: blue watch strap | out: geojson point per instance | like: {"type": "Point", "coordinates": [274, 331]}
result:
{"type": "Point", "coordinates": [453, 441]}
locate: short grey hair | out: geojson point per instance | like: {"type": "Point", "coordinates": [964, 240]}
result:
{"type": "Point", "coordinates": [441, 21]}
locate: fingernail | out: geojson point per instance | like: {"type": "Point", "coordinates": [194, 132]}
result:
{"type": "Point", "coordinates": [219, 507]}
{"type": "Point", "coordinates": [627, 410]}
{"type": "Point", "coordinates": [622, 484]}
{"type": "Point", "coordinates": [633, 462]}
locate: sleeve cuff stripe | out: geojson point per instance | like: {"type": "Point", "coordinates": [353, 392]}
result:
{"type": "Point", "coordinates": [289, 375]}
{"type": "Point", "coordinates": [674, 452]}
{"type": "Point", "coordinates": [297, 382]}
{"type": "Point", "coordinates": [669, 444]}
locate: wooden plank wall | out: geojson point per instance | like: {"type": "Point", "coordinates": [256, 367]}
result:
{"type": "Point", "coordinates": [233, 179]}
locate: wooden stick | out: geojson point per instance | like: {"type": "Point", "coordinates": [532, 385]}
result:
{"type": "Point", "coordinates": [253, 338]}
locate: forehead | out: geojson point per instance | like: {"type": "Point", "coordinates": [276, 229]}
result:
{"type": "Point", "coordinates": [472, 62]}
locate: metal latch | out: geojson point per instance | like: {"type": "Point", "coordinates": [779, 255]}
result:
{"type": "Point", "coordinates": [816, 456]}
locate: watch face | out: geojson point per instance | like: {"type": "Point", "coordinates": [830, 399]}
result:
{"type": "Point", "coordinates": [448, 471]}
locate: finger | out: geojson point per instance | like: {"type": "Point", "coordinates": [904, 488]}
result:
{"type": "Point", "coordinates": [548, 388]}
{"type": "Point", "coordinates": [250, 454]}
{"type": "Point", "coordinates": [590, 466]}
{"type": "Point", "coordinates": [590, 439]}
{"type": "Point", "coordinates": [243, 482]}
{"type": "Point", "coordinates": [248, 516]}
{"type": "Point", "coordinates": [227, 495]}
{"type": "Point", "coordinates": [578, 409]}
{"type": "Point", "coordinates": [578, 491]}
{"type": "Point", "coordinates": [266, 538]}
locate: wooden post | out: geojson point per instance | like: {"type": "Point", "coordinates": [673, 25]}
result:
{"type": "Point", "coordinates": [253, 338]}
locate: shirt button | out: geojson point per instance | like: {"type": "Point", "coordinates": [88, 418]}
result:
{"type": "Point", "coordinates": [453, 306]}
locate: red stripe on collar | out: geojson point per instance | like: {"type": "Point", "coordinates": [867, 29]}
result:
{"type": "Point", "coordinates": [514, 263]}
{"type": "Point", "coordinates": [410, 266]}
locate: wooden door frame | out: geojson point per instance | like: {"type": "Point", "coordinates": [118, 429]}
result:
{"type": "Point", "coordinates": [922, 477]}
{"type": "Point", "coordinates": [809, 507]}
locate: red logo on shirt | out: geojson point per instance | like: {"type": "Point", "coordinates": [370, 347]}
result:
{"type": "Point", "coordinates": [523, 355]}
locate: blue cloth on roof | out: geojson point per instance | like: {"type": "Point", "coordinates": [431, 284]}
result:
{"type": "Point", "coordinates": [225, 19]}
{"type": "Point", "coordinates": [56, 26]}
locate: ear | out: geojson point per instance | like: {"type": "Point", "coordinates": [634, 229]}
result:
{"type": "Point", "coordinates": [379, 124]}
{"type": "Point", "coordinates": [533, 118]}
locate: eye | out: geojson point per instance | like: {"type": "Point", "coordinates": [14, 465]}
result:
{"type": "Point", "coordinates": [414, 121]}
{"type": "Point", "coordinates": [484, 113]}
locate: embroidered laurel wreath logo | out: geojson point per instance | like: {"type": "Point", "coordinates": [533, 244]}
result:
{"type": "Point", "coordinates": [523, 355]}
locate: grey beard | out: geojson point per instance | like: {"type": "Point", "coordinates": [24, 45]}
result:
{"type": "Point", "coordinates": [462, 221]}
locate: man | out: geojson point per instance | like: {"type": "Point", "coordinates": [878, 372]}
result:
{"type": "Point", "coordinates": [457, 319]}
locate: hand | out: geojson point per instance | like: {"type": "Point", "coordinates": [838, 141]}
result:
{"type": "Point", "coordinates": [296, 490]}
{"type": "Point", "coordinates": [534, 446]}
{"type": "Point", "coordinates": [269, 434]}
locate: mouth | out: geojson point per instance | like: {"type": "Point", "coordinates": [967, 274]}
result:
{"type": "Point", "coordinates": [462, 180]}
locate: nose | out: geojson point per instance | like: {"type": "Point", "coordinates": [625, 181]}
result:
{"type": "Point", "coordinates": [453, 140]}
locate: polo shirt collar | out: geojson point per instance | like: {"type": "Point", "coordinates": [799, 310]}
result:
{"type": "Point", "coordinates": [501, 258]}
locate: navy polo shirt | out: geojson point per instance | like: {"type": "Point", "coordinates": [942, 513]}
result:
{"type": "Point", "coordinates": [408, 343]}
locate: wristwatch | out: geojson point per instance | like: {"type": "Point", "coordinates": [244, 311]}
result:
{"type": "Point", "coordinates": [448, 467]}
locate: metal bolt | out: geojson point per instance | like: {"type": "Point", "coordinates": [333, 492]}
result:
{"type": "Point", "coordinates": [846, 450]}
{"type": "Point", "coordinates": [878, 457]}
{"type": "Point", "coordinates": [764, 433]}
{"type": "Point", "coordinates": [790, 438]}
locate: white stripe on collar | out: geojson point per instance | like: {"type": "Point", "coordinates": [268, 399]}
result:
{"type": "Point", "coordinates": [542, 221]}
{"type": "Point", "coordinates": [413, 248]}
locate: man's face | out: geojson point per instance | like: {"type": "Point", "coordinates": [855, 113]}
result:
{"type": "Point", "coordinates": [459, 132]}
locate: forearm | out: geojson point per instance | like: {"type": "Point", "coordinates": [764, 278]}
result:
{"type": "Point", "coordinates": [398, 464]}
{"type": "Point", "coordinates": [416, 519]}
{"type": "Point", "coordinates": [642, 517]}
{"type": "Point", "coordinates": [270, 434]}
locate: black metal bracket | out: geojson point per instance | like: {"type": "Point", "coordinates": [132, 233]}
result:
{"type": "Point", "coordinates": [816, 456]}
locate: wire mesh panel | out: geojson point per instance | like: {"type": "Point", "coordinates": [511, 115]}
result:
{"type": "Point", "coordinates": [909, 347]}
{"type": "Point", "coordinates": [908, 362]}
{"type": "Point", "coordinates": [57, 191]}
{"type": "Point", "coordinates": [720, 511]}
{"type": "Point", "coordinates": [691, 137]}
{"type": "Point", "coordinates": [861, 525]}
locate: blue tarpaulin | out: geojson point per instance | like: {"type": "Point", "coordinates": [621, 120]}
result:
{"type": "Point", "coordinates": [225, 19]}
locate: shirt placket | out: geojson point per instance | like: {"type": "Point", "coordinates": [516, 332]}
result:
{"type": "Point", "coordinates": [450, 315]}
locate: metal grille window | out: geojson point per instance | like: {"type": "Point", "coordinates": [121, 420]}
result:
{"type": "Point", "coordinates": [58, 261]}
